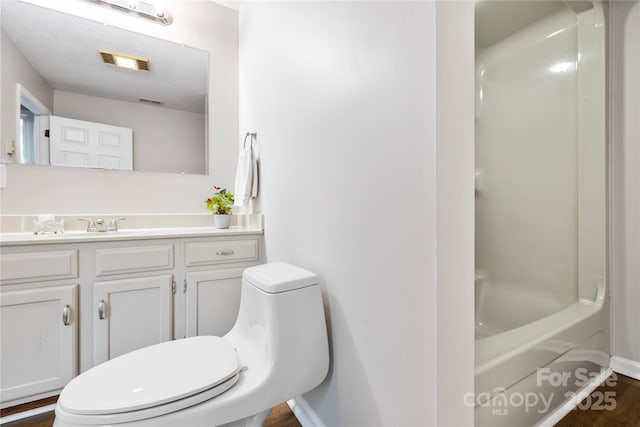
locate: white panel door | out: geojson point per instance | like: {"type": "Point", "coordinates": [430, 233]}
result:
{"type": "Point", "coordinates": [38, 340]}
{"type": "Point", "coordinates": [213, 301]}
{"type": "Point", "coordinates": [88, 144]}
{"type": "Point", "coordinates": [131, 314]}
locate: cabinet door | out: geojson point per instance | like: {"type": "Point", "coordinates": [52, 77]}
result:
{"type": "Point", "coordinates": [39, 340]}
{"type": "Point", "coordinates": [131, 314]}
{"type": "Point", "coordinates": [213, 301]}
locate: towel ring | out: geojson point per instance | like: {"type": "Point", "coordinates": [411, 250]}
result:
{"type": "Point", "coordinates": [253, 136]}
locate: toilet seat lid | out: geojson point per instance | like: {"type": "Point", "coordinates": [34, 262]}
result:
{"type": "Point", "coordinates": [151, 376]}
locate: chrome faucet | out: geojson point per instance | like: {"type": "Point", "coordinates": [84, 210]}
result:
{"type": "Point", "coordinates": [91, 224]}
{"type": "Point", "coordinates": [113, 226]}
{"type": "Point", "coordinates": [99, 224]}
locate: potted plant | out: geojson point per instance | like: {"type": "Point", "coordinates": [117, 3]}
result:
{"type": "Point", "coordinates": [221, 205]}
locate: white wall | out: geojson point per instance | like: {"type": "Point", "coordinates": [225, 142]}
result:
{"type": "Point", "coordinates": [343, 98]}
{"type": "Point", "coordinates": [16, 69]}
{"type": "Point", "coordinates": [157, 131]}
{"type": "Point", "coordinates": [625, 105]}
{"type": "Point", "coordinates": [455, 210]}
{"type": "Point", "coordinates": [201, 24]}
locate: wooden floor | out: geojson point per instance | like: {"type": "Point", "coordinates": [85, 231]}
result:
{"type": "Point", "coordinates": [625, 395]}
{"type": "Point", "coordinates": [281, 416]}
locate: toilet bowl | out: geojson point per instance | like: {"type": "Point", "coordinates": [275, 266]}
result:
{"type": "Point", "coordinates": [276, 350]}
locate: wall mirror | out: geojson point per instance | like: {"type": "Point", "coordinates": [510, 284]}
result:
{"type": "Point", "coordinates": [165, 107]}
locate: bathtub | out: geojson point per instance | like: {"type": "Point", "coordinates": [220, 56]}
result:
{"type": "Point", "coordinates": [501, 307]}
{"type": "Point", "coordinates": [519, 362]}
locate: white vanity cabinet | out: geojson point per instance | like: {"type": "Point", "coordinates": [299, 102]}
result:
{"type": "Point", "coordinates": [38, 322]}
{"type": "Point", "coordinates": [213, 282]}
{"type": "Point", "coordinates": [213, 299]}
{"type": "Point", "coordinates": [131, 314]}
{"type": "Point", "coordinates": [66, 307]}
{"type": "Point", "coordinates": [132, 297]}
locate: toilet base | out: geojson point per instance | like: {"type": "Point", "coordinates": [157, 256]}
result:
{"type": "Point", "coordinates": [256, 420]}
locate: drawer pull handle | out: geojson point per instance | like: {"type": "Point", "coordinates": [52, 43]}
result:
{"type": "Point", "coordinates": [102, 310]}
{"type": "Point", "coordinates": [66, 314]}
{"type": "Point", "coordinates": [225, 253]}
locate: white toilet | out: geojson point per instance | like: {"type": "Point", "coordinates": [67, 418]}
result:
{"type": "Point", "coordinates": [276, 350]}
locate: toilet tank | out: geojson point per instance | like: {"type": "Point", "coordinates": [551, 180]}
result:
{"type": "Point", "coordinates": [278, 277]}
{"type": "Point", "coordinates": [281, 328]}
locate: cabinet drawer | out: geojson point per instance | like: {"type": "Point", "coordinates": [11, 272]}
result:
{"type": "Point", "coordinates": [133, 259]}
{"type": "Point", "coordinates": [204, 253]}
{"type": "Point", "coordinates": [38, 266]}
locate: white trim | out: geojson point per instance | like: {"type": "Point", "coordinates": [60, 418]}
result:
{"type": "Point", "coordinates": [304, 413]}
{"type": "Point", "coordinates": [26, 414]}
{"type": "Point", "coordinates": [554, 417]}
{"type": "Point", "coordinates": [26, 98]}
{"type": "Point", "coordinates": [627, 367]}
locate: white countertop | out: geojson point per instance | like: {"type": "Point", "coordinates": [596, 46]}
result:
{"type": "Point", "coordinates": [18, 229]}
{"type": "Point", "coordinates": [76, 236]}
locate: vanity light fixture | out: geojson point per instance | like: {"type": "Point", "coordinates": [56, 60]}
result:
{"type": "Point", "coordinates": [125, 61]}
{"type": "Point", "coordinates": [140, 9]}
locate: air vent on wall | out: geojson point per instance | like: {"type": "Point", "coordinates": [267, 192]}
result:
{"type": "Point", "coordinates": [151, 101]}
{"type": "Point", "coordinates": [125, 61]}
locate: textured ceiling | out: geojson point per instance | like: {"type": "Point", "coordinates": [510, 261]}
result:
{"type": "Point", "coordinates": [64, 50]}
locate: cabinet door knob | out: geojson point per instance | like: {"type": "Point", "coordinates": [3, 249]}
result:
{"type": "Point", "coordinates": [66, 314]}
{"type": "Point", "coordinates": [225, 253]}
{"type": "Point", "coordinates": [102, 310]}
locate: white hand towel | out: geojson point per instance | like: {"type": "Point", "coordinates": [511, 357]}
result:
{"type": "Point", "coordinates": [254, 174]}
{"type": "Point", "coordinates": [246, 185]}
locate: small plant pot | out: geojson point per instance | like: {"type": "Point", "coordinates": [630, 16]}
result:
{"type": "Point", "coordinates": [222, 221]}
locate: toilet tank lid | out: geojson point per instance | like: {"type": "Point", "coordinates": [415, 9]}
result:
{"type": "Point", "coordinates": [277, 277]}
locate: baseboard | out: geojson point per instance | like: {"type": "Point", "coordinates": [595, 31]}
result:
{"type": "Point", "coordinates": [304, 413]}
{"type": "Point", "coordinates": [27, 414]}
{"type": "Point", "coordinates": [554, 417]}
{"type": "Point", "coordinates": [626, 367]}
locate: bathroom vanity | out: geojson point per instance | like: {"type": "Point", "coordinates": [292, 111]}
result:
{"type": "Point", "coordinates": [69, 302]}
